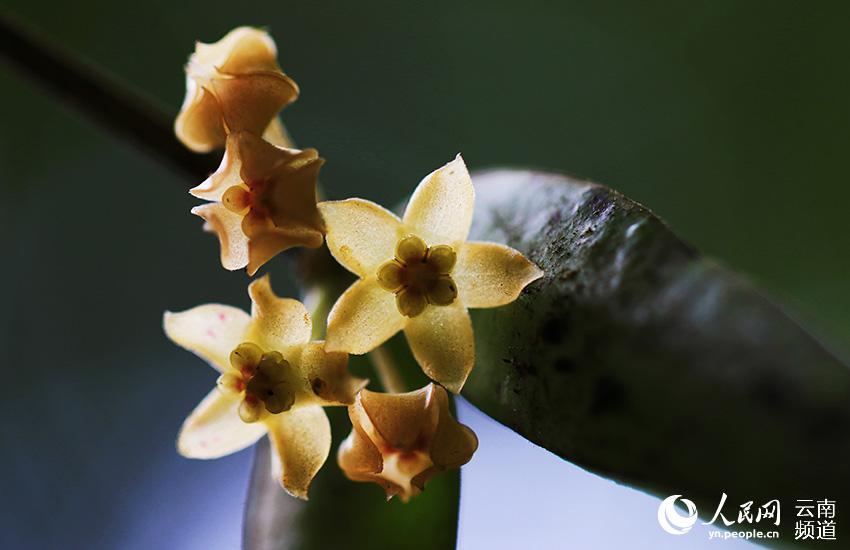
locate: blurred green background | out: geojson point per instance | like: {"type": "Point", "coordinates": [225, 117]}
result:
{"type": "Point", "coordinates": [729, 119]}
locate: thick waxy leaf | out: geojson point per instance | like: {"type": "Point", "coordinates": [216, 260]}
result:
{"type": "Point", "coordinates": [644, 362]}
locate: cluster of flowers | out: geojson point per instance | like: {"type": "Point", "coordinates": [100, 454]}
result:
{"type": "Point", "coordinates": [417, 274]}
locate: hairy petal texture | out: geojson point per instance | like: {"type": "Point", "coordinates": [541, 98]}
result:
{"type": "Point", "coordinates": [209, 331]}
{"type": "Point", "coordinates": [226, 175]}
{"type": "Point", "coordinates": [361, 235]}
{"type": "Point", "coordinates": [301, 442]}
{"type": "Point", "coordinates": [491, 275]}
{"type": "Point", "coordinates": [327, 376]}
{"type": "Point", "coordinates": [440, 209]}
{"type": "Point", "coordinates": [442, 342]}
{"type": "Point", "coordinates": [278, 323]}
{"type": "Point", "coordinates": [227, 226]}
{"type": "Point", "coordinates": [363, 318]}
{"type": "Point", "coordinates": [214, 428]}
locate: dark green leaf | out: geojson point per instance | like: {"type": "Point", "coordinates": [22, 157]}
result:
{"type": "Point", "coordinates": [642, 361]}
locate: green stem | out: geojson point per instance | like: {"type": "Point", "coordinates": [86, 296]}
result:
{"type": "Point", "coordinates": [387, 371]}
{"type": "Point", "coordinates": [116, 106]}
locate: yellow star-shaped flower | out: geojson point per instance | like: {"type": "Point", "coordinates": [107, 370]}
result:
{"type": "Point", "coordinates": [231, 85]}
{"type": "Point", "coordinates": [273, 380]}
{"type": "Point", "coordinates": [418, 274]}
{"type": "Point", "coordinates": [401, 440]}
{"type": "Point", "coordinates": [264, 201]}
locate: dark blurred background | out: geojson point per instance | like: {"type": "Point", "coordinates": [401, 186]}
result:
{"type": "Point", "coordinates": [729, 119]}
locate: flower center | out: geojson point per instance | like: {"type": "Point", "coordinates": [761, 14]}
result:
{"type": "Point", "coordinates": [263, 379]}
{"type": "Point", "coordinates": [419, 275]}
{"type": "Point", "coordinates": [250, 200]}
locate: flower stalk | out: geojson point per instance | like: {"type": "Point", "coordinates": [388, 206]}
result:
{"type": "Point", "coordinates": [130, 115]}
{"type": "Point", "coordinates": [387, 371]}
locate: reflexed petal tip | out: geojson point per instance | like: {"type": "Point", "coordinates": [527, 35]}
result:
{"type": "Point", "coordinates": [233, 84]}
{"type": "Point", "coordinates": [227, 226]}
{"type": "Point", "coordinates": [242, 49]}
{"type": "Point", "coordinates": [226, 175]}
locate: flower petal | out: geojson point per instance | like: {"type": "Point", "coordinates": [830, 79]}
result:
{"type": "Point", "coordinates": [268, 244]}
{"type": "Point", "coordinates": [453, 444]}
{"type": "Point", "coordinates": [358, 457]}
{"type": "Point", "coordinates": [219, 100]}
{"type": "Point", "coordinates": [246, 49]}
{"type": "Point", "coordinates": [442, 342]}
{"type": "Point", "coordinates": [226, 176]}
{"type": "Point", "coordinates": [490, 274]}
{"type": "Point", "coordinates": [363, 318]}
{"type": "Point", "coordinates": [399, 418]}
{"type": "Point", "coordinates": [228, 227]}
{"type": "Point", "coordinates": [361, 235]}
{"type": "Point", "coordinates": [301, 442]}
{"type": "Point", "coordinates": [249, 101]}
{"type": "Point", "coordinates": [259, 158]}
{"type": "Point", "coordinates": [276, 134]}
{"type": "Point", "coordinates": [327, 376]}
{"type": "Point", "coordinates": [242, 49]}
{"type": "Point", "coordinates": [278, 323]}
{"type": "Point", "coordinates": [291, 176]}
{"type": "Point", "coordinates": [209, 331]}
{"type": "Point", "coordinates": [214, 428]}
{"type": "Point", "coordinates": [199, 125]}
{"type": "Point", "coordinates": [440, 210]}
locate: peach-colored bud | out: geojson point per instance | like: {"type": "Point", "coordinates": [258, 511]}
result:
{"type": "Point", "coordinates": [400, 440]}
{"type": "Point", "coordinates": [232, 85]}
